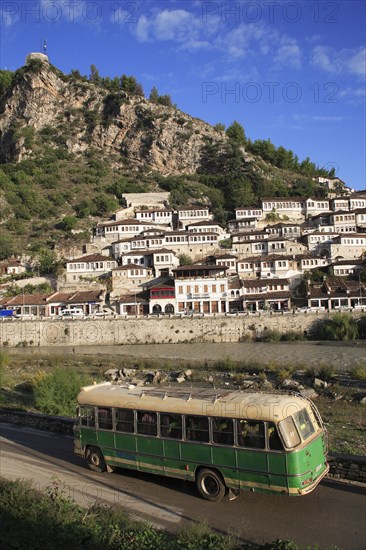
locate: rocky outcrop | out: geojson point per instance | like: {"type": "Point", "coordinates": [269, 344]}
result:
{"type": "Point", "coordinates": [130, 130]}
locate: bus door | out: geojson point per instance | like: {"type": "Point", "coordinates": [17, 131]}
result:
{"type": "Point", "coordinates": [251, 455]}
{"type": "Point", "coordinates": [105, 432]}
{"type": "Point", "coordinates": [149, 447]}
{"type": "Point", "coordinates": [171, 431]}
{"type": "Point", "coordinates": [88, 426]}
{"type": "Point", "coordinates": [125, 439]}
{"type": "Point", "coordinates": [276, 457]}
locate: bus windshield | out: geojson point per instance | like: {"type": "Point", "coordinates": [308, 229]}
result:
{"type": "Point", "coordinates": [296, 428]}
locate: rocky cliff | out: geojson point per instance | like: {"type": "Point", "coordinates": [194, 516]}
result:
{"type": "Point", "coordinates": [78, 115]}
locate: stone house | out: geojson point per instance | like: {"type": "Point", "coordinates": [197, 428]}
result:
{"type": "Point", "coordinates": [89, 267]}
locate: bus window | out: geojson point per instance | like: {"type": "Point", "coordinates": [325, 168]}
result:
{"type": "Point", "coordinates": [171, 426]}
{"type": "Point", "coordinates": [197, 428]}
{"type": "Point", "coordinates": [250, 434]}
{"type": "Point", "coordinates": [125, 421]}
{"type": "Point", "coordinates": [87, 415]}
{"type": "Point", "coordinates": [274, 441]}
{"type": "Point", "coordinates": [146, 423]}
{"type": "Point", "coordinates": [222, 431]}
{"type": "Point", "coordinates": [104, 418]}
{"type": "Point", "coordinates": [303, 424]}
{"type": "Point", "coordinates": [289, 433]}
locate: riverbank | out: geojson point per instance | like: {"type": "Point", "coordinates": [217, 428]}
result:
{"type": "Point", "coordinates": [340, 355]}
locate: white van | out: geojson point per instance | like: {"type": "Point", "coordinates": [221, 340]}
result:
{"type": "Point", "coordinates": [68, 312]}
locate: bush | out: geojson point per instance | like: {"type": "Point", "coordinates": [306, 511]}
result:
{"type": "Point", "coordinates": [269, 335]}
{"type": "Point", "coordinates": [339, 327]}
{"type": "Point", "coordinates": [358, 372]}
{"type": "Point", "coordinates": [292, 336]}
{"type": "Point", "coordinates": [56, 393]}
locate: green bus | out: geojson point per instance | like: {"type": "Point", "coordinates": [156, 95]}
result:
{"type": "Point", "coordinates": [223, 440]}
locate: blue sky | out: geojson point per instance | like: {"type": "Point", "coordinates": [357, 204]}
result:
{"type": "Point", "coordinates": [291, 71]}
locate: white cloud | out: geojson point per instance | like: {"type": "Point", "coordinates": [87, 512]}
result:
{"type": "Point", "coordinates": [328, 118]}
{"type": "Point", "coordinates": [339, 62]}
{"type": "Point", "coordinates": [289, 53]}
{"type": "Point", "coordinates": [191, 32]}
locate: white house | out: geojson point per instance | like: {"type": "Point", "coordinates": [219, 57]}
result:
{"type": "Point", "coordinates": [251, 212]}
{"type": "Point", "coordinates": [201, 289]}
{"type": "Point", "coordinates": [88, 267]}
{"type": "Point", "coordinates": [155, 215]}
{"type": "Point", "coordinates": [189, 215]}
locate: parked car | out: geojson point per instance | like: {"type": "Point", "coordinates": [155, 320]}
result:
{"type": "Point", "coordinates": [101, 314]}
{"type": "Point", "coordinates": [71, 313]}
{"type": "Point", "coordinates": [6, 313]}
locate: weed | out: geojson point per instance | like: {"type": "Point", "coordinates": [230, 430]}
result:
{"type": "Point", "coordinates": [358, 372]}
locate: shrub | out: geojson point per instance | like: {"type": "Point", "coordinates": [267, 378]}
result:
{"type": "Point", "coordinates": [56, 393]}
{"type": "Point", "coordinates": [292, 336]}
{"type": "Point", "coordinates": [358, 372]}
{"type": "Point", "coordinates": [339, 327]}
{"type": "Point", "coordinates": [269, 335]}
{"type": "Point", "coordinates": [326, 372]}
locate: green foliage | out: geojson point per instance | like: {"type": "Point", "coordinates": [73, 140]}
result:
{"type": "Point", "coordinates": [43, 288]}
{"type": "Point", "coordinates": [339, 327]}
{"type": "Point", "coordinates": [362, 327]}
{"type": "Point", "coordinates": [4, 361]}
{"type": "Point", "coordinates": [292, 336]}
{"type": "Point", "coordinates": [34, 520]}
{"type": "Point", "coordinates": [219, 127]}
{"type": "Point", "coordinates": [160, 99]}
{"type": "Point", "coordinates": [236, 133]}
{"type": "Point", "coordinates": [56, 393]}
{"type": "Point", "coordinates": [104, 204]}
{"type": "Point", "coordinates": [273, 216]}
{"type": "Point", "coordinates": [6, 80]}
{"type": "Point", "coordinates": [269, 335]}
{"type": "Point", "coordinates": [185, 259]}
{"type": "Point", "coordinates": [7, 245]}
{"type": "Point", "coordinates": [112, 106]}
{"type": "Point", "coordinates": [358, 372]}
{"type": "Point", "coordinates": [47, 261]}
{"type": "Point", "coordinates": [130, 85]}
{"type": "Point", "coordinates": [325, 372]}
{"type": "Point", "coordinates": [68, 223]}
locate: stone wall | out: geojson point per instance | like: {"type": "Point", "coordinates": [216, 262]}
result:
{"type": "Point", "coordinates": [349, 467]}
{"type": "Point", "coordinates": [152, 329]}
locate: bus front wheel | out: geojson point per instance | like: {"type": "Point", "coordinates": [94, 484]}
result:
{"type": "Point", "coordinates": [210, 485]}
{"type": "Point", "coordinates": [95, 460]}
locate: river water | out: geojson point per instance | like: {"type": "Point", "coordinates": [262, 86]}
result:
{"type": "Point", "coordinates": [300, 354]}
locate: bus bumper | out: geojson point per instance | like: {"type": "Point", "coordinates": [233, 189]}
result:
{"type": "Point", "coordinates": [313, 484]}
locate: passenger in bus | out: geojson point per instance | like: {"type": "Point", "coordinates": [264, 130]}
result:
{"type": "Point", "coordinates": [251, 434]}
{"type": "Point", "coordinates": [274, 441]}
{"type": "Point", "coordinates": [148, 424]}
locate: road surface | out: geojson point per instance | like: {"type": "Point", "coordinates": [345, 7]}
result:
{"type": "Point", "coordinates": [334, 514]}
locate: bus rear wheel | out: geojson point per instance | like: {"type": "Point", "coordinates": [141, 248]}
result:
{"type": "Point", "coordinates": [95, 460]}
{"type": "Point", "coordinates": [210, 485]}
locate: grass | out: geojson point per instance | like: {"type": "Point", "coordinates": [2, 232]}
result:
{"type": "Point", "coordinates": [32, 520]}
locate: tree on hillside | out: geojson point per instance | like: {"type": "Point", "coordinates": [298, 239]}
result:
{"type": "Point", "coordinates": [47, 262]}
{"type": "Point", "coordinates": [6, 78]}
{"type": "Point", "coordinates": [236, 132]}
{"type": "Point", "coordinates": [94, 74]}
{"type": "Point", "coordinates": [130, 85]}
{"type": "Point", "coordinates": [154, 95]}
{"type": "Point", "coordinates": [219, 127]}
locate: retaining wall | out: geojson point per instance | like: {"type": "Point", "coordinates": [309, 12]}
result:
{"type": "Point", "coordinates": [152, 330]}
{"type": "Point", "coordinates": [342, 466]}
